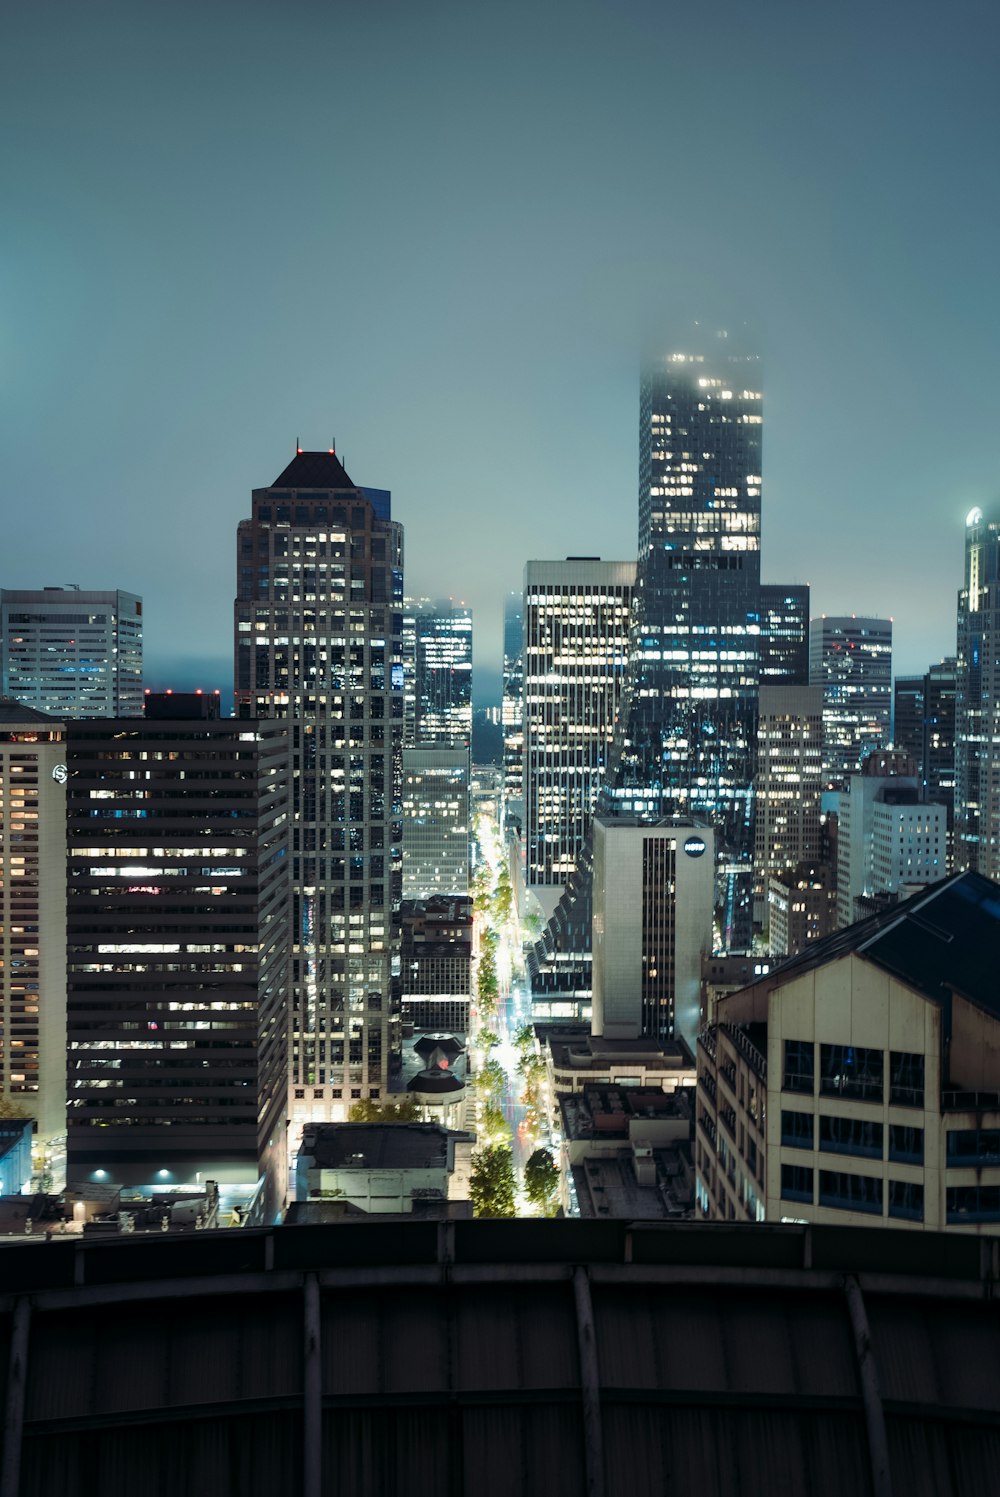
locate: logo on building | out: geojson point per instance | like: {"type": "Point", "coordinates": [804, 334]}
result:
{"type": "Point", "coordinates": [695, 846]}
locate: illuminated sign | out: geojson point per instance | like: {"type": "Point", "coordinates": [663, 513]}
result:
{"type": "Point", "coordinates": [695, 846]}
{"type": "Point", "coordinates": [60, 774]}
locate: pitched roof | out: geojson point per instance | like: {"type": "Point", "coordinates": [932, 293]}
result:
{"type": "Point", "coordinates": [13, 711]}
{"type": "Point", "coordinates": [944, 939]}
{"type": "Point", "coordinates": [314, 470]}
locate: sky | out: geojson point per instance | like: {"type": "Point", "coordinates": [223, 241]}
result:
{"type": "Point", "coordinates": [441, 233]}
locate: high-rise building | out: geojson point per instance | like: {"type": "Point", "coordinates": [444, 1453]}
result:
{"type": "Point", "coordinates": [887, 835]}
{"type": "Point", "coordinates": [908, 718]}
{"type": "Point", "coordinates": [437, 660]}
{"type": "Point", "coordinates": [789, 784]}
{"type": "Point", "coordinates": [939, 742]}
{"type": "Point", "coordinates": [435, 821]}
{"type": "Point", "coordinates": [177, 947]}
{"type": "Point", "coordinates": [784, 634]}
{"type": "Point", "coordinates": [851, 658]}
{"type": "Point", "coordinates": [33, 915]}
{"type": "Point", "coordinates": [977, 700]}
{"type": "Point", "coordinates": [653, 903]}
{"type": "Point", "coordinates": [576, 642]}
{"type": "Point", "coordinates": [319, 617]}
{"type": "Point", "coordinates": [512, 706]}
{"type": "Point", "coordinates": [72, 653]}
{"type": "Point", "coordinates": [689, 728]}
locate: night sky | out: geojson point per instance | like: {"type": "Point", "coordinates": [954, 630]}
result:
{"type": "Point", "coordinates": [441, 233]}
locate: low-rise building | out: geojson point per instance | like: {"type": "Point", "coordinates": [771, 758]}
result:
{"type": "Point", "coordinates": [383, 1167]}
{"type": "Point", "coordinates": [802, 907]}
{"type": "Point", "coordinates": [626, 1153]}
{"type": "Point", "coordinates": [576, 1059]}
{"type": "Point", "coordinates": [860, 1080]}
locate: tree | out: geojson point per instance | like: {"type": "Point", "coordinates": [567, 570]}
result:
{"type": "Point", "coordinates": [407, 1110]}
{"type": "Point", "coordinates": [524, 1039]}
{"type": "Point", "coordinates": [494, 1127]}
{"type": "Point", "coordinates": [487, 1039]}
{"type": "Point", "coordinates": [541, 1180]}
{"type": "Point", "coordinates": [491, 1186]}
{"type": "Point", "coordinates": [490, 1081]}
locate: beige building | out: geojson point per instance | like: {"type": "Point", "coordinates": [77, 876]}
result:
{"type": "Point", "coordinates": [860, 1081]}
{"type": "Point", "coordinates": [788, 784]}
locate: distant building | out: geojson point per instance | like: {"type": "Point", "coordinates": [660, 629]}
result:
{"type": "Point", "coordinates": [908, 718]}
{"type": "Point", "coordinates": [437, 963]}
{"type": "Point", "coordinates": [653, 907]}
{"type": "Point", "coordinates": [802, 907]}
{"type": "Point", "coordinates": [784, 634]}
{"type": "Point", "coordinates": [177, 961]}
{"type": "Point", "coordinates": [887, 836]}
{"type": "Point", "coordinates": [72, 652]}
{"type": "Point", "coordinates": [512, 707]}
{"type": "Point", "coordinates": [383, 1167]}
{"type": "Point", "coordinates": [436, 821]}
{"type": "Point", "coordinates": [977, 700]}
{"type": "Point", "coordinates": [788, 785]}
{"type": "Point", "coordinates": [437, 667]}
{"type": "Point", "coordinates": [939, 742]}
{"type": "Point", "coordinates": [15, 1155]}
{"type": "Point", "coordinates": [577, 614]}
{"type": "Point", "coordinates": [33, 776]}
{"type": "Point", "coordinates": [860, 1081]}
{"type": "Point", "coordinates": [851, 658]}
{"type": "Point", "coordinates": [626, 1152]}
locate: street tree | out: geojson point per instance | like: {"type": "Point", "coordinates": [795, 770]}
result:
{"type": "Point", "coordinates": [407, 1110]}
{"type": "Point", "coordinates": [541, 1180]}
{"type": "Point", "coordinates": [491, 1185]}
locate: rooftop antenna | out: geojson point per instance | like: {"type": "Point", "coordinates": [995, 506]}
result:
{"type": "Point", "coordinates": [298, 447]}
{"type": "Point", "coordinates": [333, 446]}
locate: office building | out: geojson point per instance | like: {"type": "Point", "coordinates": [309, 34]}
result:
{"type": "Point", "coordinates": [860, 1082]}
{"type": "Point", "coordinates": [977, 700]}
{"type": "Point", "coordinates": [888, 837]}
{"type": "Point", "coordinates": [784, 634]}
{"type": "Point", "coordinates": [177, 947]}
{"type": "Point", "coordinates": [72, 652]}
{"type": "Point", "coordinates": [653, 906]}
{"type": "Point", "coordinates": [319, 618]}
{"type": "Point", "coordinates": [435, 821]}
{"type": "Point", "coordinates": [939, 741]}
{"type": "Point", "coordinates": [33, 915]}
{"type": "Point", "coordinates": [437, 666]}
{"type": "Point", "coordinates": [512, 708]}
{"type": "Point", "coordinates": [576, 642]}
{"type": "Point", "coordinates": [851, 658]}
{"type": "Point", "coordinates": [789, 783]}
{"type": "Point", "coordinates": [908, 718]}
{"type": "Point", "coordinates": [437, 963]}
{"type": "Point", "coordinates": [801, 907]}
{"type": "Point", "coordinates": [689, 729]}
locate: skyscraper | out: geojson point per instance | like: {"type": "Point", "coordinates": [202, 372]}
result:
{"type": "Point", "coordinates": [177, 947]}
{"type": "Point", "coordinates": [437, 659]}
{"type": "Point", "coordinates": [71, 652]}
{"type": "Point", "coordinates": [788, 785]}
{"type": "Point", "coordinates": [851, 658]}
{"type": "Point", "coordinates": [319, 617]}
{"type": "Point", "coordinates": [784, 634]}
{"type": "Point", "coordinates": [512, 705]}
{"type": "Point", "coordinates": [435, 821]}
{"type": "Point", "coordinates": [576, 641]}
{"type": "Point", "coordinates": [939, 742]}
{"type": "Point", "coordinates": [689, 729]}
{"type": "Point", "coordinates": [977, 700]}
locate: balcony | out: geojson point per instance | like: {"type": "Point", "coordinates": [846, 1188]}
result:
{"type": "Point", "coordinates": [753, 1057]}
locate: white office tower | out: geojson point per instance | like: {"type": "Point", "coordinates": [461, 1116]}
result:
{"type": "Point", "coordinates": [435, 821]}
{"type": "Point", "coordinates": [653, 909]}
{"type": "Point", "coordinates": [72, 653]}
{"type": "Point", "coordinates": [576, 644]}
{"type": "Point", "coordinates": [888, 840]}
{"type": "Point", "coordinates": [788, 784]}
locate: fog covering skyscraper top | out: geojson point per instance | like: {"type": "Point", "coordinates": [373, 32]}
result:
{"type": "Point", "coordinates": [689, 725]}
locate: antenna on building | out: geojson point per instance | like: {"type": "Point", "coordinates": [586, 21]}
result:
{"type": "Point", "coordinates": [298, 447]}
{"type": "Point", "coordinates": [333, 446]}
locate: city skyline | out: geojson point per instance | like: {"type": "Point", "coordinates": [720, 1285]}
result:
{"type": "Point", "coordinates": [169, 336]}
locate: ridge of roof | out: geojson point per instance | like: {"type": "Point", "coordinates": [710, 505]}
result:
{"type": "Point", "coordinates": [314, 470]}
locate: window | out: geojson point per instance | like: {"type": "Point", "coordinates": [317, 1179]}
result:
{"type": "Point", "coordinates": [839, 1135]}
{"type": "Point", "coordinates": [906, 1079]}
{"type": "Point", "coordinates": [972, 1203]}
{"type": "Point", "coordinates": [797, 1129]}
{"type": "Point", "coordinates": [796, 1183]}
{"type": "Point", "coordinates": [973, 1146]}
{"type": "Point", "coordinates": [850, 1071]}
{"type": "Point", "coordinates": [799, 1066]}
{"type": "Point", "coordinates": [906, 1200]}
{"type": "Point", "coordinates": [850, 1192]}
{"type": "Point", "coordinates": [906, 1145]}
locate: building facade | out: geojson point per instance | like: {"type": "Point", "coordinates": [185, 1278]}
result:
{"type": "Point", "coordinates": [436, 824]}
{"type": "Point", "coordinates": [788, 785]}
{"type": "Point", "coordinates": [576, 641]}
{"type": "Point", "coordinates": [512, 707]}
{"type": "Point", "coordinates": [784, 634]}
{"type": "Point", "coordinates": [653, 892]}
{"type": "Point", "coordinates": [72, 652]}
{"type": "Point", "coordinates": [437, 666]}
{"type": "Point", "coordinates": [319, 618]}
{"type": "Point", "coordinates": [977, 700]}
{"type": "Point", "coordinates": [177, 947]}
{"type": "Point", "coordinates": [860, 1082]}
{"type": "Point", "coordinates": [851, 658]}
{"type": "Point", "coordinates": [33, 778]}
{"type": "Point", "coordinates": [887, 835]}
{"type": "Point", "coordinates": [437, 963]}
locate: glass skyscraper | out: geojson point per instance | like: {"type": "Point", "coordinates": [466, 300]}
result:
{"type": "Point", "coordinates": [690, 715]}
{"type": "Point", "coordinates": [977, 700]}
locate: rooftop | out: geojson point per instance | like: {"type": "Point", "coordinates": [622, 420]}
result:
{"type": "Point", "coordinates": [314, 470]}
{"type": "Point", "coordinates": [371, 1146]}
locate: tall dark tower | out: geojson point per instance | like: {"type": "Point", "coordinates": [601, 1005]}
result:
{"type": "Point", "coordinates": [319, 617]}
{"type": "Point", "coordinates": [689, 729]}
{"type": "Point", "coordinates": [977, 700]}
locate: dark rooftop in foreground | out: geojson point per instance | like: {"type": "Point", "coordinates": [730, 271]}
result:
{"type": "Point", "coordinates": [370, 1146]}
{"type": "Point", "coordinates": [943, 939]}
